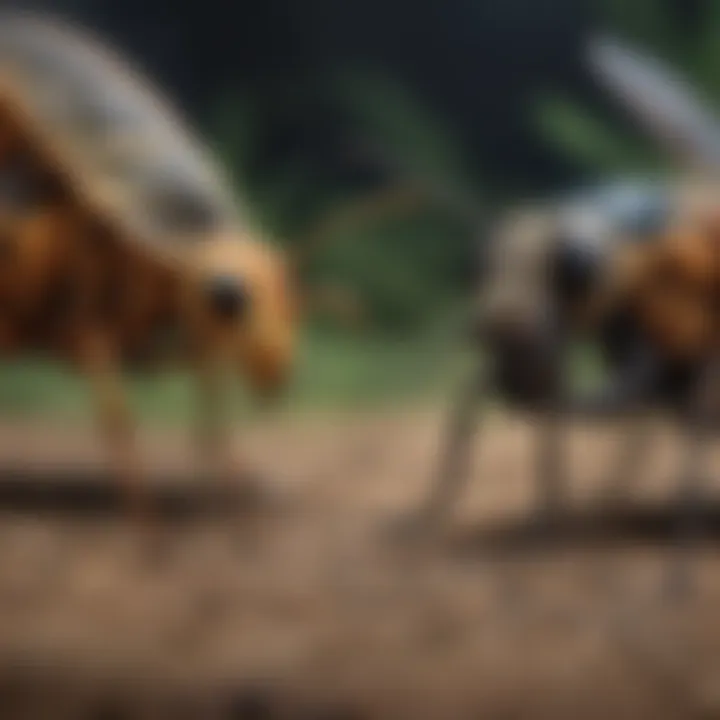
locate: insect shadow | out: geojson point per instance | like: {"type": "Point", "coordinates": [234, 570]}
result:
{"type": "Point", "coordinates": [91, 492]}
{"type": "Point", "coordinates": [621, 526]}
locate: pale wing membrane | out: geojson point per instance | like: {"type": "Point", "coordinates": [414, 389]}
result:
{"type": "Point", "coordinates": [130, 154]}
{"type": "Point", "coordinates": [660, 99]}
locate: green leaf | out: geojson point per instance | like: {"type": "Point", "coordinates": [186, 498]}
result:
{"type": "Point", "coordinates": [584, 137]}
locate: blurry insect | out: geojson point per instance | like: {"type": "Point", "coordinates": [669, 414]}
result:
{"type": "Point", "coordinates": [121, 244]}
{"type": "Point", "coordinates": [636, 269]}
{"type": "Point", "coordinates": [553, 273]}
{"type": "Point", "coordinates": [679, 286]}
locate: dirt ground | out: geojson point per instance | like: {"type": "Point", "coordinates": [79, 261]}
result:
{"type": "Point", "coordinates": [309, 608]}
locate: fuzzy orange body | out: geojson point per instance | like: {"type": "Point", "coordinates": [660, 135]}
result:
{"type": "Point", "coordinates": [62, 273]}
{"type": "Point", "coordinates": [121, 243]}
{"type": "Point", "coordinates": [676, 290]}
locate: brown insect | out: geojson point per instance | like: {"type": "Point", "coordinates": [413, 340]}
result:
{"type": "Point", "coordinates": [644, 296]}
{"type": "Point", "coordinates": [651, 299]}
{"type": "Point", "coordinates": [120, 241]}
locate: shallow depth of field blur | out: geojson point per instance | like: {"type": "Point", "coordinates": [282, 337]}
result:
{"type": "Point", "coordinates": [389, 132]}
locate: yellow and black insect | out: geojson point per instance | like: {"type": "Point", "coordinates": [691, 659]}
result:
{"type": "Point", "coordinates": [120, 241]}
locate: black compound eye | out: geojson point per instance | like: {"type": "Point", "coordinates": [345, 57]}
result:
{"type": "Point", "coordinates": [228, 297]}
{"type": "Point", "coordinates": [574, 269]}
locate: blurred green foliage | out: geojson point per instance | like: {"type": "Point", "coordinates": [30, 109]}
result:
{"type": "Point", "coordinates": [333, 371]}
{"type": "Point", "coordinates": [403, 262]}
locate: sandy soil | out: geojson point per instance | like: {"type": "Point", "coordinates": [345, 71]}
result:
{"type": "Point", "coordinates": [308, 608]}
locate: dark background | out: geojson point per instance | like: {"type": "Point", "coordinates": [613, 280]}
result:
{"type": "Point", "coordinates": [473, 60]}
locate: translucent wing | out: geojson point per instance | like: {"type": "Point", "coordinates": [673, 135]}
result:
{"type": "Point", "coordinates": [660, 99]}
{"type": "Point", "coordinates": [124, 149]}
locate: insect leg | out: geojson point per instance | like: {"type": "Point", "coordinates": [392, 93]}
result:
{"type": "Point", "coordinates": [453, 472]}
{"type": "Point", "coordinates": [637, 432]}
{"type": "Point", "coordinates": [214, 441]}
{"type": "Point", "coordinates": [549, 465]}
{"type": "Point", "coordinates": [626, 398]}
{"type": "Point", "coordinates": [701, 415]}
{"type": "Point", "coordinates": [211, 429]}
{"type": "Point", "coordinates": [115, 419]}
{"type": "Point", "coordinates": [550, 469]}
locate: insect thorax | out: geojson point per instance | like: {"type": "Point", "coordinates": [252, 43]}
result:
{"type": "Point", "coordinates": [62, 270]}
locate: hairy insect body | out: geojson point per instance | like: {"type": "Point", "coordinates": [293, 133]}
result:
{"type": "Point", "coordinates": [623, 266]}
{"type": "Point", "coordinates": [121, 244]}
{"type": "Point", "coordinates": [62, 273]}
{"type": "Point", "coordinates": [676, 292]}
{"type": "Point", "coordinates": [112, 219]}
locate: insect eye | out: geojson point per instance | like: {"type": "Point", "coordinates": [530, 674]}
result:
{"type": "Point", "coordinates": [228, 297]}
